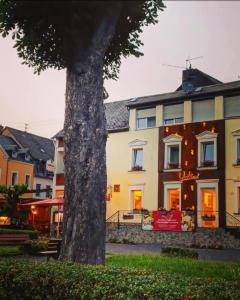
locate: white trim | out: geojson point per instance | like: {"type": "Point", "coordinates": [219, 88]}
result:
{"type": "Point", "coordinates": [172, 170]}
{"type": "Point", "coordinates": [172, 140]}
{"type": "Point", "coordinates": [236, 206]}
{"type": "Point", "coordinates": [137, 143]}
{"type": "Point", "coordinates": [236, 139]}
{"type": "Point", "coordinates": [203, 137]}
{"type": "Point", "coordinates": [137, 187]}
{"type": "Point", "coordinates": [172, 185]}
{"type": "Point", "coordinates": [205, 184]}
{"type": "Point", "coordinates": [132, 160]}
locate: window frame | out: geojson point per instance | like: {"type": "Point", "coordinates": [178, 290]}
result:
{"type": "Point", "coordinates": [170, 185]}
{"type": "Point", "coordinates": [38, 191]}
{"type": "Point", "coordinates": [146, 123]}
{"type": "Point", "coordinates": [48, 193]}
{"type": "Point", "coordinates": [14, 172]}
{"type": "Point", "coordinates": [237, 198]}
{"type": "Point", "coordinates": [29, 180]}
{"type": "Point", "coordinates": [202, 138]}
{"type": "Point", "coordinates": [133, 157]}
{"type": "Point", "coordinates": [172, 140]}
{"type": "Point", "coordinates": [174, 121]}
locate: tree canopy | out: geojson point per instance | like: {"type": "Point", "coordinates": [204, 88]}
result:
{"type": "Point", "coordinates": [50, 33]}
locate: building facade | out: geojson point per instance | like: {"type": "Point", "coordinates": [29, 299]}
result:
{"type": "Point", "coordinates": [177, 151]}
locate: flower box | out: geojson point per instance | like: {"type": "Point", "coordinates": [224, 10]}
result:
{"type": "Point", "coordinates": [128, 217]}
{"type": "Point", "coordinates": [207, 163]}
{"type": "Point", "coordinates": [208, 218]}
{"type": "Point", "coordinates": [172, 165]}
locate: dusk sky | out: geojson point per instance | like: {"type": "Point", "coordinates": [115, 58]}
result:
{"type": "Point", "coordinates": [198, 28]}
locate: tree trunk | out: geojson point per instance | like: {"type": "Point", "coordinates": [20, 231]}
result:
{"type": "Point", "coordinates": [85, 165]}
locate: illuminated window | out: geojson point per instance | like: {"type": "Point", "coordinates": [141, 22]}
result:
{"type": "Point", "coordinates": [137, 199]}
{"type": "Point", "coordinates": [172, 196]}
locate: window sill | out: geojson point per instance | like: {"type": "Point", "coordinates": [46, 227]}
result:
{"type": "Point", "coordinates": [172, 170]}
{"type": "Point", "coordinates": [207, 168]}
{"type": "Point", "coordinates": [146, 128]}
{"type": "Point", "coordinates": [236, 165]}
{"type": "Point", "coordinates": [131, 171]}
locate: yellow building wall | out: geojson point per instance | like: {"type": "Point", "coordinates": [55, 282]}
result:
{"type": "Point", "coordinates": [219, 107]}
{"type": "Point", "coordinates": [232, 172]}
{"type": "Point", "coordinates": [119, 160]}
{"type": "Point", "coordinates": [3, 167]}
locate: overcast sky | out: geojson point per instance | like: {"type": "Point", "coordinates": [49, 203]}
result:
{"type": "Point", "coordinates": [198, 28]}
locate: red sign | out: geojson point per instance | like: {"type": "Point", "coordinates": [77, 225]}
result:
{"type": "Point", "coordinates": [167, 220]}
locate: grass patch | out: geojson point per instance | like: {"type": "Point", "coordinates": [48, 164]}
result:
{"type": "Point", "coordinates": [180, 252]}
{"type": "Point", "coordinates": [181, 266]}
{"type": "Point", "coordinates": [10, 251]}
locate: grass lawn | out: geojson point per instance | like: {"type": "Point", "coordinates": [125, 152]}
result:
{"type": "Point", "coordinates": [9, 250]}
{"type": "Point", "coordinates": [181, 266]}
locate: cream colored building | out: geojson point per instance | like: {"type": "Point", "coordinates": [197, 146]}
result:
{"type": "Point", "coordinates": [146, 133]}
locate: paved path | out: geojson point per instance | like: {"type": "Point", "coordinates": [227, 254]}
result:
{"type": "Point", "coordinates": [230, 255]}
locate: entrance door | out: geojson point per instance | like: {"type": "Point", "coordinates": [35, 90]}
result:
{"type": "Point", "coordinates": [208, 214]}
{"type": "Point", "coordinates": [137, 199]}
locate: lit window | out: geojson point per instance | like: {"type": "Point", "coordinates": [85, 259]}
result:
{"type": "Point", "coordinates": [146, 118]}
{"type": "Point", "coordinates": [137, 160]}
{"type": "Point", "coordinates": [173, 199]}
{"type": "Point", "coordinates": [14, 178]}
{"type": "Point", "coordinates": [27, 180]}
{"type": "Point", "coordinates": [38, 189]}
{"type": "Point", "coordinates": [137, 200]}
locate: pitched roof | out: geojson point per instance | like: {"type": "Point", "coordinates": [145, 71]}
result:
{"type": "Point", "coordinates": [10, 146]}
{"type": "Point", "coordinates": [198, 93]}
{"type": "Point", "coordinates": [117, 116]}
{"type": "Point", "coordinates": [40, 147]}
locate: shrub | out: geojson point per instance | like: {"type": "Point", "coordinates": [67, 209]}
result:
{"type": "Point", "coordinates": [10, 250]}
{"type": "Point", "coordinates": [36, 280]}
{"type": "Point", "coordinates": [35, 246]}
{"type": "Point", "coordinates": [33, 235]}
{"type": "Point", "coordinates": [180, 252]}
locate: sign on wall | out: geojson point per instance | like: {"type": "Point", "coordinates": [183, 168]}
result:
{"type": "Point", "coordinates": [172, 220]}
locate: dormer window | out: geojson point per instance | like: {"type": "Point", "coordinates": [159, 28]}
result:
{"type": "Point", "coordinates": [146, 118]}
{"type": "Point", "coordinates": [14, 154]}
{"type": "Point", "coordinates": [207, 149]}
{"type": "Point", "coordinates": [27, 157]}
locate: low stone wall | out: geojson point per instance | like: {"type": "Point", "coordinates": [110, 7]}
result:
{"type": "Point", "coordinates": [217, 238]}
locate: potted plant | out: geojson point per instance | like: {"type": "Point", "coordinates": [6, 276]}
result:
{"type": "Point", "coordinates": [208, 218]}
{"type": "Point", "coordinates": [207, 163]}
{"type": "Point", "coordinates": [137, 168]}
{"type": "Point", "coordinates": [173, 165]}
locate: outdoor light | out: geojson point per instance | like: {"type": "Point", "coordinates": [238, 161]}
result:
{"type": "Point", "coordinates": [204, 124]}
{"type": "Point", "coordinates": [186, 163]}
{"type": "Point", "coordinates": [32, 206]}
{"type": "Point", "coordinates": [192, 187]}
{"type": "Point", "coordinates": [213, 129]}
{"type": "Point", "coordinates": [185, 196]}
{"type": "Point", "coordinates": [192, 152]}
{"type": "Point", "coordinates": [167, 129]}
{"type": "Point", "coordinates": [186, 142]}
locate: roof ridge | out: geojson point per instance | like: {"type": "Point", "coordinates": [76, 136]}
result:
{"type": "Point", "coordinates": [29, 133]}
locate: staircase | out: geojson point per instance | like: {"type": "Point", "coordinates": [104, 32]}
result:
{"type": "Point", "coordinates": [233, 225]}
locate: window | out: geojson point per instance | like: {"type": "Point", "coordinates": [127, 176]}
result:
{"type": "Point", "coordinates": [146, 118]}
{"type": "Point", "coordinates": [203, 110]}
{"type": "Point", "coordinates": [172, 196]}
{"type": "Point", "coordinates": [14, 178]}
{"type": "Point", "coordinates": [48, 192]}
{"type": "Point", "coordinates": [232, 107]}
{"type": "Point", "coordinates": [27, 180]}
{"type": "Point", "coordinates": [137, 200]}
{"type": "Point", "coordinates": [238, 199]}
{"type": "Point", "coordinates": [38, 189]}
{"type": "Point", "coordinates": [173, 156]}
{"type": "Point", "coordinates": [137, 160]}
{"type": "Point", "coordinates": [207, 149]}
{"type": "Point", "coordinates": [172, 152]}
{"type": "Point", "coordinates": [173, 114]}
{"type": "Point", "coordinates": [207, 153]}
{"type": "Point", "coordinates": [238, 152]}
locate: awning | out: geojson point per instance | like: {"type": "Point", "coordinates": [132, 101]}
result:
{"type": "Point", "coordinates": [45, 202]}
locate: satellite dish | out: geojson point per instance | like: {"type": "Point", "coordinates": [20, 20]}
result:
{"type": "Point", "coordinates": [188, 87]}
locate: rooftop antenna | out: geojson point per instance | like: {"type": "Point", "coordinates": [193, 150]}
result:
{"type": "Point", "coordinates": [188, 61]}
{"type": "Point", "coordinates": [26, 127]}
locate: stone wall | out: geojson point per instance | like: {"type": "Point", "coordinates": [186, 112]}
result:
{"type": "Point", "coordinates": [217, 238]}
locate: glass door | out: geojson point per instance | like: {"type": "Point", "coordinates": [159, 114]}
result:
{"type": "Point", "coordinates": [137, 200]}
{"type": "Point", "coordinates": [173, 199]}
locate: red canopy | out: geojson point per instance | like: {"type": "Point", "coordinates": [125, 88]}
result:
{"type": "Point", "coordinates": [46, 202]}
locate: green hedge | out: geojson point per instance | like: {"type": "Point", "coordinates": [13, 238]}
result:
{"type": "Point", "coordinates": [36, 280]}
{"type": "Point", "coordinates": [189, 253]}
{"type": "Point", "coordinates": [10, 250]}
{"type": "Point", "coordinates": [33, 235]}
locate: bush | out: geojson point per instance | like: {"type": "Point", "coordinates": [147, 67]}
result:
{"type": "Point", "coordinates": [36, 280]}
{"type": "Point", "coordinates": [10, 251]}
{"type": "Point", "coordinates": [33, 235]}
{"type": "Point", "coordinates": [35, 246]}
{"type": "Point", "coordinates": [180, 252]}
